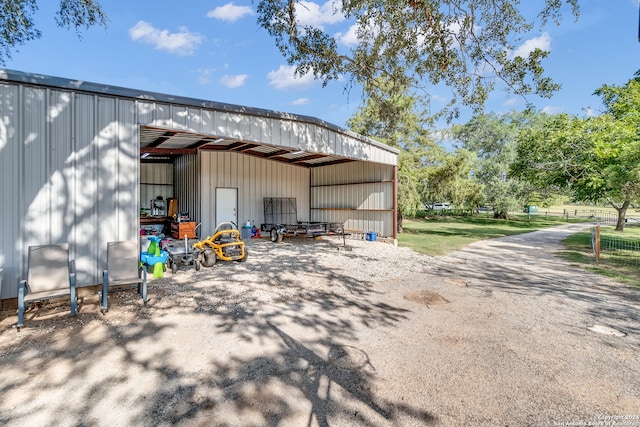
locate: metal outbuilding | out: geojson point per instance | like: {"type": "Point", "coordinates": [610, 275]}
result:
{"type": "Point", "coordinates": [79, 160]}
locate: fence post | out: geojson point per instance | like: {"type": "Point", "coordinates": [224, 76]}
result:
{"type": "Point", "coordinates": [597, 243]}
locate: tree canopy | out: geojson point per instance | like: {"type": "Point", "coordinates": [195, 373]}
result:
{"type": "Point", "coordinates": [467, 45]}
{"type": "Point", "coordinates": [596, 158]}
{"type": "Point", "coordinates": [426, 171]}
{"type": "Point", "coordinates": [394, 121]}
{"type": "Point", "coordinates": [493, 139]}
{"type": "Point", "coordinates": [17, 24]}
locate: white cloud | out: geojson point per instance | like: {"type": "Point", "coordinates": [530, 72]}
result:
{"type": "Point", "coordinates": [301, 101]}
{"type": "Point", "coordinates": [285, 78]}
{"type": "Point", "coordinates": [356, 31]}
{"type": "Point", "coordinates": [181, 43]}
{"type": "Point", "coordinates": [233, 81]}
{"type": "Point", "coordinates": [543, 43]}
{"type": "Point", "coordinates": [230, 12]}
{"type": "Point", "coordinates": [350, 38]}
{"type": "Point", "coordinates": [438, 98]}
{"type": "Point", "coordinates": [511, 102]}
{"type": "Point", "coordinates": [548, 109]}
{"type": "Point", "coordinates": [204, 75]}
{"type": "Point", "coordinates": [310, 13]}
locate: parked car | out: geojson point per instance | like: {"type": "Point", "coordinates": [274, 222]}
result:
{"type": "Point", "coordinates": [438, 206]}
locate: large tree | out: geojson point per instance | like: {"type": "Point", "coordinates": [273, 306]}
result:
{"type": "Point", "coordinates": [426, 171]}
{"type": "Point", "coordinates": [493, 140]}
{"type": "Point", "coordinates": [17, 24]}
{"type": "Point", "coordinates": [467, 45]}
{"type": "Point", "coordinates": [396, 121]}
{"type": "Point", "coordinates": [596, 158]}
{"type": "Point", "coordinates": [449, 180]}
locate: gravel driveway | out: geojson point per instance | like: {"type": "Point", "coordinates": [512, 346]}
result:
{"type": "Point", "coordinates": [314, 333]}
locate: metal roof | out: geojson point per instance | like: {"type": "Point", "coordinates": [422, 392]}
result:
{"type": "Point", "coordinates": [165, 143]}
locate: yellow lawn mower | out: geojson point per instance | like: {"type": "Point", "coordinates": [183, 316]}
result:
{"type": "Point", "coordinates": [224, 245]}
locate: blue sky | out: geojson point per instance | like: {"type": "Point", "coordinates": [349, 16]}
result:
{"type": "Point", "coordinates": [214, 50]}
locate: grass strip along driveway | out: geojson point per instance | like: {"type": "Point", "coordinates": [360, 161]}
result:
{"type": "Point", "coordinates": [441, 235]}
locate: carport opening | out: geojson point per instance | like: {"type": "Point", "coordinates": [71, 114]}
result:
{"type": "Point", "coordinates": [170, 180]}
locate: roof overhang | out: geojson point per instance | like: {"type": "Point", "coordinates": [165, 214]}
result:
{"type": "Point", "coordinates": [323, 143]}
{"type": "Point", "coordinates": [162, 144]}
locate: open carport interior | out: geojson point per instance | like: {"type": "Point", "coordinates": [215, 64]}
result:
{"type": "Point", "coordinates": [194, 168]}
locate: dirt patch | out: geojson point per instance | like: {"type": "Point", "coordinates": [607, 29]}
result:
{"type": "Point", "coordinates": [426, 297]}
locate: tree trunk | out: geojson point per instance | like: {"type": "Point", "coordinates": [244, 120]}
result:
{"type": "Point", "coordinates": [399, 222]}
{"type": "Point", "coordinates": [622, 213]}
{"type": "Point", "coordinates": [500, 215]}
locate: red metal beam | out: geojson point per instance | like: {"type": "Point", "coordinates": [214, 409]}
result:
{"type": "Point", "coordinates": [167, 151]}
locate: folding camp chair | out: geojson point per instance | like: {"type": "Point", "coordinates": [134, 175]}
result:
{"type": "Point", "coordinates": [48, 276]}
{"type": "Point", "coordinates": [123, 268]}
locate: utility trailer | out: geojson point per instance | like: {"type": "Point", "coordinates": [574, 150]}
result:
{"type": "Point", "coordinates": [281, 219]}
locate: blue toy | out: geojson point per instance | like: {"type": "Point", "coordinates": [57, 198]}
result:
{"type": "Point", "coordinates": [155, 256]}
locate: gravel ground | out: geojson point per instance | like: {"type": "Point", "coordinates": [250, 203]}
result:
{"type": "Point", "coordinates": [315, 333]}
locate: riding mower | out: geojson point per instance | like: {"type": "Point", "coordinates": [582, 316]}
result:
{"type": "Point", "coordinates": [224, 245]}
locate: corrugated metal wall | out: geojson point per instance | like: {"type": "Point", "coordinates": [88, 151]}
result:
{"type": "Point", "coordinates": [360, 194]}
{"type": "Point", "coordinates": [156, 180]}
{"type": "Point", "coordinates": [12, 168]}
{"type": "Point", "coordinates": [254, 178]}
{"type": "Point", "coordinates": [187, 187]}
{"type": "Point", "coordinates": [70, 168]}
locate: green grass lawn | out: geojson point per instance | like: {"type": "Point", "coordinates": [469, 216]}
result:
{"type": "Point", "coordinates": [443, 234]}
{"type": "Point", "coordinates": [622, 265]}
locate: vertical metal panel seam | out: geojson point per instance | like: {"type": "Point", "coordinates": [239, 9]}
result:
{"type": "Point", "coordinates": [74, 163]}
{"type": "Point", "coordinates": [22, 169]}
{"type": "Point", "coordinates": [96, 171]}
{"type": "Point", "coordinates": [394, 220]}
{"type": "Point", "coordinates": [47, 162]}
{"type": "Point", "coordinates": [118, 154]}
{"type": "Point", "coordinates": [198, 186]}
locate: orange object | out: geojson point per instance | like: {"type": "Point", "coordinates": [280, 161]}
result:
{"type": "Point", "coordinates": [180, 229]}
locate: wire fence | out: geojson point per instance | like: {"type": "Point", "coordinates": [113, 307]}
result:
{"type": "Point", "coordinates": [599, 217]}
{"type": "Point", "coordinates": [591, 215]}
{"type": "Point", "coordinates": [615, 250]}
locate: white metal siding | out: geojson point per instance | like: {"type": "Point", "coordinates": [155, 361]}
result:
{"type": "Point", "coordinates": [254, 178]}
{"type": "Point", "coordinates": [156, 180]}
{"type": "Point", "coordinates": [11, 186]}
{"type": "Point", "coordinates": [187, 188]}
{"type": "Point", "coordinates": [70, 174]}
{"type": "Point", "coordinates": [360, 194]}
